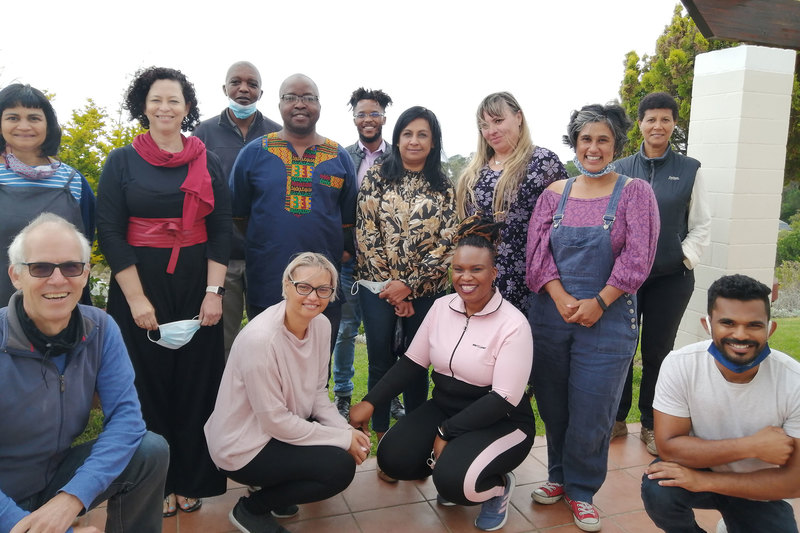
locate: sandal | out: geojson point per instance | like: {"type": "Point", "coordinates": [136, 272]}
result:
{"type": "Point", "coordinates": [169, 506]}
{"type": "Point", "coordinates": [190, 505]}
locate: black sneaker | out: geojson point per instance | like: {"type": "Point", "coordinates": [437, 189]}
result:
{"type": "Point", "coordinates": [247, 522]}
{"type": "Point", "coordinates": [343, 405]}
{"type": "Point", "coordinates": [285, 512]}
{"type": "Point", "coordinates": [397, 410]}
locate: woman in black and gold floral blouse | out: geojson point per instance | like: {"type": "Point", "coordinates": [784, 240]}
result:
{"type": "Point", "coordinates": [404, 224]}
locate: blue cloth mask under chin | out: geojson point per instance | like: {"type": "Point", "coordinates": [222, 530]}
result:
{"type": "Point", "coordinates": [730, 365]}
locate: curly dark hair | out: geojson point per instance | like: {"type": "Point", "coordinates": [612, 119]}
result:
{"type": "Point", "coordinates": [611, 114]}
{"type": "Point", "coordinates": [18, 94]}
{"type": "Point", "coordinates": [738, 287]}
{"type": "Point", "coordinates": [479, 231]}
{"type": "Point", "coordinates": [383, 99]}
{"type": "Point", "coordinates": [392, 169]}
{"type": "Point", "coordinates": [142, 81]}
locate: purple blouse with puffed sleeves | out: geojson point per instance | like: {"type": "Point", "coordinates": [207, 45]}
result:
{"type": "Point", "coordinates": [634, 234]}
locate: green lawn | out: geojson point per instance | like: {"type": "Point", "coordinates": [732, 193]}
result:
{"type": "Point", "coordinates": [785, 339]}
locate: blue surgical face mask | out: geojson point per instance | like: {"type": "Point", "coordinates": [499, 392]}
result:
{"type": "Point", "coordinates": [176, 334]}
{"type": "Point", "coordinates": [241, 111]}
{"type": "Point", "coordinates": [608, 168]}
{"type": "Point", "coordinates": [730, 365]}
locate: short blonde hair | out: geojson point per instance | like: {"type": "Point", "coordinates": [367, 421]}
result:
{"type": "Point", "coordinates": [310, 259]}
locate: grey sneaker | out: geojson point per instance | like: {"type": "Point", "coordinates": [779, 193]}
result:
{"type": "Point", "coordinates": [247, 522]}
{"type": "Point", "coordinates": [620, 429]}
{"type": "Point", "coordinates": [343, 406]}
{"type": "Point", "coordinates": [397, 410]}
{"type": "Point", "coordinates": [649, 438]}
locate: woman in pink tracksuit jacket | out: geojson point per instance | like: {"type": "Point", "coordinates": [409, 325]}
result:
{"type": "Point", "coordinates": [479, 424]}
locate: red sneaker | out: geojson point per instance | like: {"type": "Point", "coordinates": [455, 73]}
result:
{"type": "Point", "coordinates": [584, 515]}
{"type": "Point", "coordinates": [548, 493]}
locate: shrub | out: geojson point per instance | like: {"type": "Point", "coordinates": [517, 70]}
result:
{"type": "Point", "coordinates": [789, 242]}
{"type": "Point", "coordinates": [788, 302]}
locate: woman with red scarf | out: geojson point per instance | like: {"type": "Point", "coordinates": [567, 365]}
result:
{"type": "Point", "coordinates": [164, 224]}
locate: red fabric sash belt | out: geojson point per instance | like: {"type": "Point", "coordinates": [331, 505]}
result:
{"type": "Point", "coordinates": [165, 233]}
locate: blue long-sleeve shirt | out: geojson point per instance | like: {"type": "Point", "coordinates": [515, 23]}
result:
{"type": "Point", "coordinates": [42, 410]}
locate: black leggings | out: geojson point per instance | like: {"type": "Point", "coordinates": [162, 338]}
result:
{"type": "Point", "coordinates": [289, 474]}
{"type": "Point", "coordinates": [471, 466]}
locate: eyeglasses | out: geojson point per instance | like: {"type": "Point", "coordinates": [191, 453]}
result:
{"type": "Point", "coordinates": [374, 114]}
{"type": "Point", "coordinates": [306, 98]}
{"type": "Point", "coordinates": [69, 269]}
{"type": "Point", "coordinates": [304, 289]}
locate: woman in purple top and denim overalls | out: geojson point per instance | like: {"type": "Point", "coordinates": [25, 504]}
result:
{"type": "Point", "coordinates": [591, 243]}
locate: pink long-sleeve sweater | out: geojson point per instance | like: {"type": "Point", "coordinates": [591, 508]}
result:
{"type": "Point", "coordinates": [272, 384]}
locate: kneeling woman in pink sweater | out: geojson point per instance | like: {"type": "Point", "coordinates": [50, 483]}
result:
{"type": "Point", "coordinates": [273, 426]}
{"type": "Point", "coordinates": [478, 425]}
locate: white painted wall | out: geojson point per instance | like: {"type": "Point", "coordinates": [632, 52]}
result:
{"type": "Point", "coordinates": [741, 101]}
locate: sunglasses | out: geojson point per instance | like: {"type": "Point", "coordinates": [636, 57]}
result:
{"type": "Point", "coordinates": [69, 269]}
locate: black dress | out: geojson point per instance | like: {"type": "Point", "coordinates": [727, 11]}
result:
{"type": "Point", "coordinates": [177, 388]}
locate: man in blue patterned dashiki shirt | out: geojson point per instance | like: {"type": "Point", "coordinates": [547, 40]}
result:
{"type": "Point", "coordinates": [293, 191]}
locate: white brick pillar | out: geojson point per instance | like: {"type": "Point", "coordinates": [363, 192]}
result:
{"type": "Point", "coordinates": [741, 100]}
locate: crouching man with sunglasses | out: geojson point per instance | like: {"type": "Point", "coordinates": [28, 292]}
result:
{"type": "Point", "coordinates": [54, 356]}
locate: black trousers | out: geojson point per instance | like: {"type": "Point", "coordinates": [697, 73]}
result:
{"type": "Point", "coordinates": [289, 474]}
{"type": "Point", "coordinates": [470, 468]}
{"type": "Point", "coordinates": [662, 301]}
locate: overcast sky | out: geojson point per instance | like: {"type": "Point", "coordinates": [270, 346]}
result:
{"type": "Point", "coordinates": [443, 54]}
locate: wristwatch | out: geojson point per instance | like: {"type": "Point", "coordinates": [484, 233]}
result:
{"type": "Point", "coordinates": [216, 290]}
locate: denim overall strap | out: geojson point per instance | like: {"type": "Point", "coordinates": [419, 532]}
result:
{"type": "Point", "coordinates": [611, 210]}
{"type": "Point", "coordinates": [583, 254]}
{"type": "Point", "coordinates": [559, 214]}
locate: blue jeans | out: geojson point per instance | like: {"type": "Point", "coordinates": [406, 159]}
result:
{"type": "Point", "coordinates": [135, 498]}
{"type": "Point", "coordinates": [344, 350]}
{"type": "Point", "coordinates": [578, 374]}
{"type": "Point", "coordinates": [379, 325]}
{"type": "Point", "coordinates": [670, 508]}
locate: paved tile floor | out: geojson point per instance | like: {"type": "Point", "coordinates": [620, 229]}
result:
{"type": "Point", "coordinates": [371, 506]}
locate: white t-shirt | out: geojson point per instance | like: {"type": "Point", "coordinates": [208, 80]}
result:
{"type": "Point", "coordinates": [691, 386]}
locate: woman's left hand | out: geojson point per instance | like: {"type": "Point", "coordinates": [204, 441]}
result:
{"type": "Point", "coordinates": [360, 414]}
{"type": "Point", "coordinates": [395, 292]}
{"type": "Point", "coordinates": [210, 309]}
{"type": "Point", "coordinates": [587, 314]}
{"type": "Point", "coordinates": [404, 309]}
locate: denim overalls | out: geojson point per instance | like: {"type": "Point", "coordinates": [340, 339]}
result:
{"type": "Point", "coordinates": [578, 372]}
